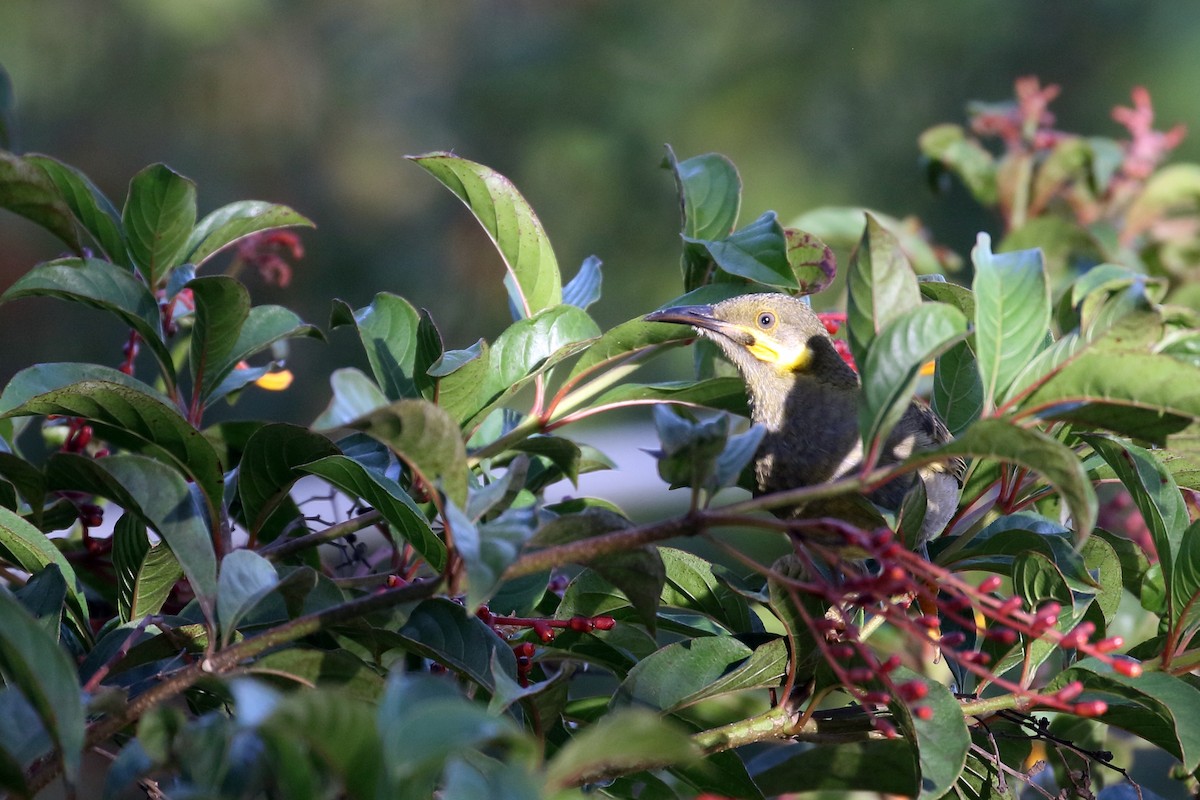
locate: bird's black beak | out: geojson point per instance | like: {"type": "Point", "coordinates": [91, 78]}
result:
{"type": "Point", "coordinates": [701, 317]}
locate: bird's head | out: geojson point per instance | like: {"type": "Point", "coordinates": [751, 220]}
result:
{"type": "Point", "coordinates": [769, 336]}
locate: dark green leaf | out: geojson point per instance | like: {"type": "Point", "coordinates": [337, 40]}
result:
{"type": "Point", "coordinates": [159, 214]}
{"type": "Point", "coordinates": [886, 767]}
{"type": "Point", "coordinates": [43, 596]}
{"type": "Point", "coordinates": [236, 221]}
{"type": "Point", "coordinates": [338, 730]}
{"type": "Point", "coordinates": [710, 194]}
{"type": "Point", "coordinates": [1002, 440]}
{"type": "Point", "coordinates": [726, 394]}
{"type": "Point", "coordinates": [388, 330]}
{"type": "Point", "coordinates": [450, 727]}
{"type": "Point", "coordinates": [330, 669]}
{"type": "Point", "coordinates": [33, 662]}
{"type": "Point", "coordinates": [894, 358]}
{"type": "Point", "coordinates": [1155, 706]}
{"type": "Point", "coordinates": [28, 480]}
{"type": "Point", "coordinates": [1161, 506]}
{"type": "Point", "coordinates": [264, 326]}
{"type": "Point", "coordinates": [957, 388]}
{"type": "Point", "coordinates": [246, 578]}
{"type": "Point", "coordinates": [26, 190]}
{"type": "Point", "coordinates": [158, 494]}
{"type": "Point", "coordinates": [270, 465]}
{"type": "Point", "coordinates": [638, 573]}
{"type": "Point", "coordinates": [942, 740]}
{"type": "Point", "coordinates": [620, 742]}
{"type": "Point", "coordinates": [222, 305]}
{"type": "Point", "coordinates": [881, 286]}
{"type": "Point", "coordinates": [101, 285]}
{"type": "Point", "coordinates": [142, 417]}
{"type": "Point", "coordinates": [387, 497]}
{"type": "Point", "coordinates": [757, 252]}
{"type": "Point", "coordinates": [1012, 314]}
{"type": "Point", "coordinates": [508, 220]}
{"type": "Point", "coordinates": [487, 550]}
{"type": "Point", "coordinates": [88, 204]}
{"type": "Point", "coordinates": [443, 631]}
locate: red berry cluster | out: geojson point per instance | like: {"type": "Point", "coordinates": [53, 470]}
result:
{"type": "Point", "coordinates": [833, 322]}
{"type": "Point", "coordinates": [545, 629]}
{"type": "Point", "coordinates": [896, 585]}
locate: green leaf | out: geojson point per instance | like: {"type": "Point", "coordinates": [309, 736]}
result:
{"type": "Point", "coordinates": [29, 549]}
{"type": "Point", "coordinates": [450, 727]}
{"type": "Point", "coordinates": [686, 672]}
{"type": "Point", "coordinates": [950, 146]}
{"type": "Point", "coordinates": [264, 326]}
{"type": "Point", "coordinates": [881, 285]}
{"type": "Point", "coordinates": [710, 192]}
{"type": "Point", "coordinates": [134, 415]}
{"type": "Point", "coordinates": [1138, 394]}
{"type": "Point", "coordinates": [236, 221]}
{"type": "Point", "coordinates": [90, 207]}
{"type": "Point", "coordinates": [354, 396]}
{"type": "Point", "coordinates": [942, 741]}
{"type": "Point", "coordinates": [28, 480]}
{"type": "Point", "coordinates": [478, 776]}
{"type": "Point", "coordinates": [270, 465]}
{"type": "Point", "coordinates": [638, 573]}
{"type": "Point", "coordinates": [246, 578]}
{"type": "Point", "coordinates": [692, 585]}
{"type": "Point", "coordinates": [222, 306]}
{"type": "Point", "coordinates": [894, 359]}
{"type": "Point", "coordinates": [330, 669]}
{"type": "Point", "coordinates": [1002, 440]}
{"type": "Point", "coordinates": [486, 550]}
{"type": "Point", "coordinates": [1175, 187]}
{"type": "Point", "coordinates": [508, 221]}
{"type": "Point", "coordinates": [27, 190]}
{"type": "Point", "coordinates": [724, 394]}
{"type": "Point", "coordinates": [159, 495]}
{"type": "Point", "coordinates": [427, 439]}
{"type": "Point", "coordinates": [159, 214]}
{"type": "Point", "coordinates": [620, 742]}
{"type": "Point", "coordinates": [338, 730]}
{"type": "Point", "coordinates": [388, 330]}
{"type": "Point", "coordinates": [957, 388]}
{"type": "Point", "coordinates": [101, 285]}
{"type": "Point", "coordinates": [886, 767]}
{"type": "Point", "coordinates": [145, 575]}
{"type": "Point", "coordinates": [757, 252]}
{"type": "Point", "coordinates": [44, 595]}
{"type": "Point", "coordinates": [443, 631]}
{"type": "Point", "coordinates": [525, 349]}
{"type": "Point", "coordinates": [43, 673]}
{"type": "Point", "coordinates": [1012, 314]}
{"type": "Point", "coordinates": [1163, 509]}
{"type": "Point", "coordinates": [388, 498]}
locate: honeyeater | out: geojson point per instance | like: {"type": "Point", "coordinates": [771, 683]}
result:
{"type": "Point", "coordinates": [806, 397]}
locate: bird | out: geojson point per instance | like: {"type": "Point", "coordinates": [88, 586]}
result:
{"type": "Point", "coordinates": [806, 396]}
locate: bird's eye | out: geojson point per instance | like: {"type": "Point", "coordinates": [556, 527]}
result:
{"type": "Point", "coordinates": [766, 320]}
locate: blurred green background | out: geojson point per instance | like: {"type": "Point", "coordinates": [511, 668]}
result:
{"type": "Point", "coordinates": [315, 104]}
